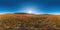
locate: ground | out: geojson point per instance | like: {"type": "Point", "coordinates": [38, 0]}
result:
{"type": "Point", "coordinates": [29, 22]}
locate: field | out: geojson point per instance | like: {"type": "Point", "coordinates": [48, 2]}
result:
{"type": "Point", "coordinates": [29, 22]}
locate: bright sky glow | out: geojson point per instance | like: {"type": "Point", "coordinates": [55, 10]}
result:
{"type": "Point", "coordinates": [29, 11]}
{"type": "Point", "coordinates": [54, 13]}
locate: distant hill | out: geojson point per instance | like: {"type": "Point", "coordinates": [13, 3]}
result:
{"type": "Point", "coordinates": [23, 13]}
{"type": "Point", "coordinates": [31, 13]}
{"type": "Point", "coordinates": [20, 13]}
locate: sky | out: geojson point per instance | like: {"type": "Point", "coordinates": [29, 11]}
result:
{"type": "Point", "coordinates": [30, 6]}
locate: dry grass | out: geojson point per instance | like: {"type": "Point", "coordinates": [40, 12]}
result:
{"type": "Point", "coordinates": [28, 21]}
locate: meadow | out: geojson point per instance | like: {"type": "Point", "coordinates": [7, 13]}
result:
{"type": "Point", "coordinates": [29, 22]}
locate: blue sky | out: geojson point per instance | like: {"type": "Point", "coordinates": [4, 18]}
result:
{"type": "Point", "coordinates": [36, 6]}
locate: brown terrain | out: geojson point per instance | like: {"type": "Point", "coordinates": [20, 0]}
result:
{"type": "Point", "coordinates": [29, 22]}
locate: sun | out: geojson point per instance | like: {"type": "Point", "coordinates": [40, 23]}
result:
{"type": "Point", "coordinates": [29, 11]}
